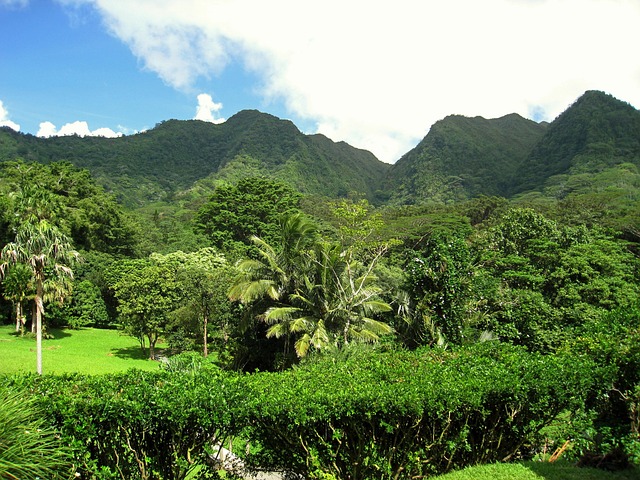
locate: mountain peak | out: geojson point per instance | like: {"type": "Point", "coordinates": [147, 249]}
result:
{"type": "Point", "coordinates": [597, 131]}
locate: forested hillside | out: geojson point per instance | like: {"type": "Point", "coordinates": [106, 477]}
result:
{"type": "Point", "coordinates": [593, 146]}
{"type": "Point", "coordinates": [461, 158]}
{"type": "Point", "coordinates": [596, 133]}
{"type": "Point", "coordinates": [155, 164]}
{"type": "Point", "coordinates": [594, 142]}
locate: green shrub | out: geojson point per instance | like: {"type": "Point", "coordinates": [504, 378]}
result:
{"type": "Point", "coordinates": [410, 414]}
{"type": "Point", "coordinates": [28, 447]}
{"type": "Point", "coordinates": [370, 414]}
{"type": "Point", "coordinates": [137, 425]}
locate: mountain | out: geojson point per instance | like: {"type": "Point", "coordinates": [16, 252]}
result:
{"type": "Point", "coordinates": [156, 164]}
{"type": "Point", "coordinates": [596, 133]}
{"type": "Point", "coordinates": [592, 149]}
{"type": "Point", "coordinates": [461, 158]}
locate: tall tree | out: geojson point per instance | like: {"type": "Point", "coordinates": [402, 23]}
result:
{"type": "Point", "coordinates": [49, 254]}
{"type": "Point", "coordinates": [204, 276]}
{"type": "Point", "coordinates": [146, 297]}
{"type": "Point", "coordinates": [319, 295]}
{"type": "Point", "coordinates": [234, 213]}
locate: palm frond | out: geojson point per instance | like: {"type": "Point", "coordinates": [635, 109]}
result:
{"type": "Point", "coordinates": [279, 314]}
{"type": "Point", "coordinates": [302, 345]}
{"type": "Point", "coordinates": [248, 291]}
{"type": "Point", "coordinates": [277, 330]}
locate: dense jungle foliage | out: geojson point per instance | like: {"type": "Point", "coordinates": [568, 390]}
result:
{"type": "Point", "coordinates": [323, 334]}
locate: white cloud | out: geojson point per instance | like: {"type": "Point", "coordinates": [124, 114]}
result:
{"type": "Point", "coordinates": [47, 129]}
{"type": "Point", "coordinates": [105, 132]}
{"type": "Point", "coordinates": [4, 119]}
{"type": "Point", "coordinates": [378, 74]}
{"type": "Point", "coordinates": [80, 128]}
{"type": "Point", "coordinates": [207, 109]}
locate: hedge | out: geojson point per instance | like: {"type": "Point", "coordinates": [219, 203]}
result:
{"type": "Point", "coordinates": [371, 415]}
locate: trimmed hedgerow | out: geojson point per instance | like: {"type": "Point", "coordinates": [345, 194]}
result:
{"type": "Point", "coordinates": [370, 415]}
{"type": "Point", "coordinates": [400, 415]}
{"type": "Point", "coordinates": [138, 425]}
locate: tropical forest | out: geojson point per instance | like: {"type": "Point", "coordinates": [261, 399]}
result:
{"type": "Point", "coordinates": [242, 300]}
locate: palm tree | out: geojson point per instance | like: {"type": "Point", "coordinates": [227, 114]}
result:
{"type": "Point", "coordinates": [279, 270]}
{"type": "Point", "coordinates": [334, 306]}
{"type": "Point", "coordinates": [316, 291]}
{"type": "Point", "coordinates": [48, 253]}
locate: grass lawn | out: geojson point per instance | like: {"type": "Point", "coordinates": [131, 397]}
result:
{"type": "Point", "coordinates": [88, 350]}
{"type": "Point", "coordinates": [538, 471]}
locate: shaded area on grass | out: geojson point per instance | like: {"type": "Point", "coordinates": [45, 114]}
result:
{"type": "Point", "coordinates": [58, 333]}
{"type": "Point", "coordinates": [129, 353]}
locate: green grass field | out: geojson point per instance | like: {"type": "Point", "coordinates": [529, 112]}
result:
{"type": "Point", "coordinates": [538, 471]}
{"type": "Point", "coordinates": [88, 350]}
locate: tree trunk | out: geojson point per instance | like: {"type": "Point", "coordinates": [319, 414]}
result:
{"type": "Point", "coordinates": [206, 349]}
{"type": "Point", "coordinates": [39, 312]}
{"type": "Point", "coordinates": [20, 319]}
{"type": "Point", "coordinates": [152, 347]}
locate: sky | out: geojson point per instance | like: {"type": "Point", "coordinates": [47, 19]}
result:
{"type": "Point", "coordinates": [375, 74]}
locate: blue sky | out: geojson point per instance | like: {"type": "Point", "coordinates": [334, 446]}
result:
{"type": "Point", "coordinates": [59, 64]}
{"type": "Point", "coordinates": [374, 74]}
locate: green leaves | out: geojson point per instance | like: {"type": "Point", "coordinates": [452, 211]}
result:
{"type": "Point", "coordinates": [363, 414]}
{"type": "Point", "coordinates": [374, 414]}
{"type": "Point", "coordinates": [316, 293]}
{"type": "Point", "coordinates": [29, 448]}
{"type": "Point", "coordinates": [251, 207]}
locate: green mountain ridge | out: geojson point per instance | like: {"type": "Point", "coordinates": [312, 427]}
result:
{"type": "Point", "coordinates": [154, 165]}
{"type": "Point", "coordinates": [593, 145]}
{"type": "Point", "coordinates": [597, 132]}
{"type": "Point", "coordinates": [463, 157]}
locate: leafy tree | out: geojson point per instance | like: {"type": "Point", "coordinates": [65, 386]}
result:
{"type": "Point", "coordinates": [612, 340]}
{"type": "Point", "coordinates": [147, 292]}
{"type": "Point", "coordinates": [49, 255]}
{"type": "Point", "coordinates": [538, 280]}
{"type": "Point", "coordinates": [18, 288]}
{"type": "Point", "coordinates": [87, 307]}
{"type": "Point", "coordinates": [70, 199]}
{"type": "Point", "coordinates": [439, 280]}
{"type": "Point", "coordinates": [357, 223]}
{"type": "Point", "coordinates": [250, 207]}
{"type": "Point", "coordinates": [204, 276]}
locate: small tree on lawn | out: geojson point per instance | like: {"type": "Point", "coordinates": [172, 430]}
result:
{"type": "Point", "coordinates": [18, 288]}
{"type": "Point", "coordinates": [49, 254]}
{"type": "Point", "coordinates": [146, 298]}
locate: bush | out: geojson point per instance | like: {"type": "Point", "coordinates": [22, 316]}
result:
{"type": "Point", "coordinates": [137, 425]}
{"type": "Point", "coordinates": [410, 414]}
{"type": "Point", "coordinates": [367, 415]}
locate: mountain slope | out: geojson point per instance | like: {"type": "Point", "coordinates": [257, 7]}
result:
{"type": "Point", "coordinates": [461, 158]}
{"type": "Point", "coordinates": [597, 132]}
{"type": "Point", "coordinates": [175, 154]}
